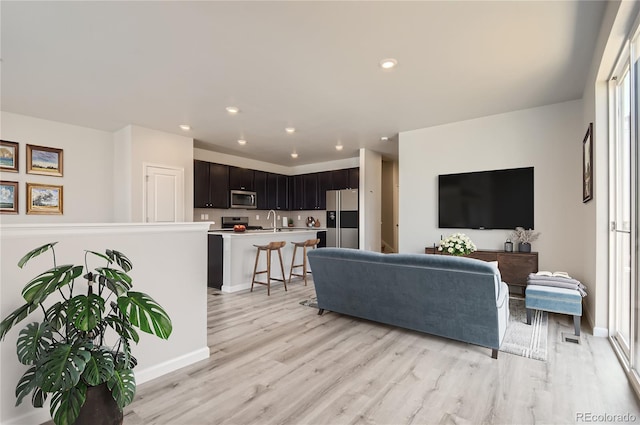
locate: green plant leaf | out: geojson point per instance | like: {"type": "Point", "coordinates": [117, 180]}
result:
{"type": "Point", "coordinates": [40, 287]}
{"type": "Point", "coordinates": [98, 254]}
{"type": "Point", "coordinates": [120, 259]}
{"type": "Point", "coordinates": [34, 253]}
{"type": "Point", "coordinates": [26, 384]}
{"type": "Point", "coordinates": [85, 311]}
{"type": "Point", "coordinates": [34, 339]}
{"type": "Point", "coordinates": [99, 368]}
{"type": "Point", "coordinates": [56, 315]}
{"type": "Point", "coordinates": [145, 313]}
{"type": "Point", "coordinates": [117, 281]}
{"type": "Point", "coordinates": [60, 368]}
{"type": "Point", "coordinates": [38, 398]}
{"type": "Point", "coordinates": [123, 387]}
{"type": "Point", "coordinates": [120, 323]}
{"type": "Point", "coordinates": [65, 405]}
{"type": "Point", "coordinates": [124, 359]}
{"type": "Point", "coordinates": [15, 317]}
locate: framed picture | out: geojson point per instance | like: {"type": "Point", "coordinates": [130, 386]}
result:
{"type": "Point", "coordinates": [44, 161]}
{"type": "Point", "coordinates": [8, 156]}
{"type": "Point", "coordinates": [587, 165]}
{"type": "Point", "coordinates": [8, 197]}
{"type": "Point", "coordinates": [44, 199]}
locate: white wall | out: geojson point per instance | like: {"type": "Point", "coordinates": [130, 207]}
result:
{"type": "Point", "coordinates": [614, 31]}
{"type": "Point", "coordinates": [87, 167]}
{"type": "Point", "coordinates": [548, 138]}
{"type": "Point", "coordinates": [154, 147]}
{"type": "Point", "coordinates": [170, 264]}
{"type": "Point", "coordinates": [122, 170]}
{"type": "Point", "coordinates": [370, 197]}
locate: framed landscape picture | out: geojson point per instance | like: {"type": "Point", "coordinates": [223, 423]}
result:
{"type": "Point", "coordinates": [44, 161]}
{"type": "Point", "coordinates": [587, 165]}
{"type": "Point", "coordinates": [8, 156]}
{"type": "Point", "coordinates": [44, 199]}
{"type": "Point", "coordinates": [8, 197]}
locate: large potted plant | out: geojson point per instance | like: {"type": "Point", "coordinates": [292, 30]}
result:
{"type": "Point", "coordinates": [80, 350]}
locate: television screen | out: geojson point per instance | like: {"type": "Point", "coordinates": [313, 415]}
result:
{"type": "Point", "coordinates": [499, 199]}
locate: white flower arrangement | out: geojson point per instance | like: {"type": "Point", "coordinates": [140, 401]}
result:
{"type": "Point", "coordinates": [457, 244]}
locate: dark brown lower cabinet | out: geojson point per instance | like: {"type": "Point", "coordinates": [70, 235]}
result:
{"type": "Point", "coordinates": [214, 261]}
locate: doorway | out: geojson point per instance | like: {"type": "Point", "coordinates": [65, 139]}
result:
{"type": "Point", "coordinates": [163, 194]}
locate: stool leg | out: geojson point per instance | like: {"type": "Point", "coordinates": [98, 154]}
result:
{"type": "Point", "coordinates": [304, 265]}
{"type": "Point", "coordinates": [528, 316]}
{"type": "Point", "coordinates": [255, 268]}
{"type": "Point", "coordinates": [293, 260]}
{"type": "Point", "coordinates": [268, 272]}
{"type": "Point", "coordinates": [576, 325]}
{"type": "Point", "coordinates": [284, 279]}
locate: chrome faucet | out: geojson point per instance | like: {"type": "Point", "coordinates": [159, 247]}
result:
{"type": "Point", "coordinates": [274, 218]}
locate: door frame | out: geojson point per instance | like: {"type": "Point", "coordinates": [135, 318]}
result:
{"type": "Point", "coordinates": [145, 181]}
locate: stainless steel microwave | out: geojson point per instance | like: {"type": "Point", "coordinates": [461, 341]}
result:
{"type": "Point", "coordinates": [243, 199]}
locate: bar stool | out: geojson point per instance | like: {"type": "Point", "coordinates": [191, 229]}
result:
{"type": "Point", "coordinates": [304, 245]}
{"type": "Point", "coordinates": [273, 246]}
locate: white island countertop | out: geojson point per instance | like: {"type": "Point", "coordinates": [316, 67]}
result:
{"type": "Point", "coordinates": [239, 254]}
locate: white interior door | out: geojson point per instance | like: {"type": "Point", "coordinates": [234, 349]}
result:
{"type": "Point", "coordinates": [164, 198]}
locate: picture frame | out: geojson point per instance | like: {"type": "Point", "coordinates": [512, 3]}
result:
{"type": "Point", "coordinates": [9, 197]}
{"type": "Point", "coordinates": [44, 161]}
{"type": "Point", "coordinates": [9, 156]}
{"type": "Point", "coordinates": [44, 199]}
{"type": "Point", "coordinates": [587, 165]}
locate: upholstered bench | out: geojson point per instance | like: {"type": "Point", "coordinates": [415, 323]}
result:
{"type": "Point", "coordinates": [555, 300]}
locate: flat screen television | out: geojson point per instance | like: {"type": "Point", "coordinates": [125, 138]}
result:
{"type": "Point", "coordinates": [498, 199]}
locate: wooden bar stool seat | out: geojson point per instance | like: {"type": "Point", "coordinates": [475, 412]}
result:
{"type": "Point", "coordinates": [309, 243]}
{"type": "Point", "coordinates": [272, 246]}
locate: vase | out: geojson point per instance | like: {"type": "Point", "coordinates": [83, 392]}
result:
{"type": "Point", "coordinates": [99, 408]}
{"type": "Point", "coordinates": [524, 247]}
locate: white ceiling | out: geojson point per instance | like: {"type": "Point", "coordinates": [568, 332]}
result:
{"type": "Point", "coordinates": [310, 65]}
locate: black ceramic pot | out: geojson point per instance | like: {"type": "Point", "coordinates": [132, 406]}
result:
{"type": "Point", "coordinates": [524, 247]}
{"type": "Point", "coordinates": [99, 408]}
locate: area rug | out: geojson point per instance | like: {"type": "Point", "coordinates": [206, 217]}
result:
{"type": "Point", "coordinates": [524, 340]}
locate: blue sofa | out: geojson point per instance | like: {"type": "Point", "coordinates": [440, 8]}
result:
{"type": "Point", "coordinates": [453, 297]}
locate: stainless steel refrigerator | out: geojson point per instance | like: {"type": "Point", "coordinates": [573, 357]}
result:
{"type": "Point", "coordinates": [342, 218]}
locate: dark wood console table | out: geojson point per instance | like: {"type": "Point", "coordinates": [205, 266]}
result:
{"type": "Point", "coordinates": [514, 266]}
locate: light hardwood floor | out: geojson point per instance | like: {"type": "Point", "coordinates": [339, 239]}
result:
{"type": "Point", "coordinates": [274, 361]}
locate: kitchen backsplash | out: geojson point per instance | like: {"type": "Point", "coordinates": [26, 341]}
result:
{"type": "Point", "coordinates": [215, 215]}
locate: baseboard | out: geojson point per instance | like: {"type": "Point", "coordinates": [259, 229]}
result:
{"type": "Point", "coordinates": [601, 332]}
{"type": "Point", "coordinates": [36, 416]}
{"type": "Point", "coordinates": [156, 371]}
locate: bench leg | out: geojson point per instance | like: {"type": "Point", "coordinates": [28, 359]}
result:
{"type": "Point", "coordinates": [494, 353]}
{"type": "Point", "coordinates": [528, 316]}
{"type": "Point", "coordinates": [576, 325]}
{"type": "Point", "coordinates": [320, 311]}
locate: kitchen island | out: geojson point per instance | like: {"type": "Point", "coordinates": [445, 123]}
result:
{"type": "Point", "coordinates": [232, 256]}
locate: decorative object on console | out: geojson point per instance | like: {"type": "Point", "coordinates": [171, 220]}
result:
{"type": "Point", "coordinates": [316, 223]}
{"type": "Point", "coordinates": [524, 238]}
{"type": "Point", "coordinates": [290, 222]}
{"type": "Point", "coordinates": [70, 353]}
{"type": "Point", "coordinates": [457, 244]}
{"type": "Point", "coordinates": [508, 246]}
{"type": "Point", "coordinates": [587, 165]}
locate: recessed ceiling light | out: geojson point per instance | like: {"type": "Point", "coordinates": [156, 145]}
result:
{"type": "Point", "coordinates": [384, 138]}
{"type": "Point", "coordinates": [242, 142]}
{"type": "Point", "coordinates": [388, 63]}
{"type": "Point", "coordinates": [232, 109]}
{"type": "Point", "coordinates": [294, 154]}
{"type": "Point", "coordinates": [185, 127]}
{"type": "Point", "coordinates": [339, 147]}
{"type": "Point", "coordinates": [290, 130]}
